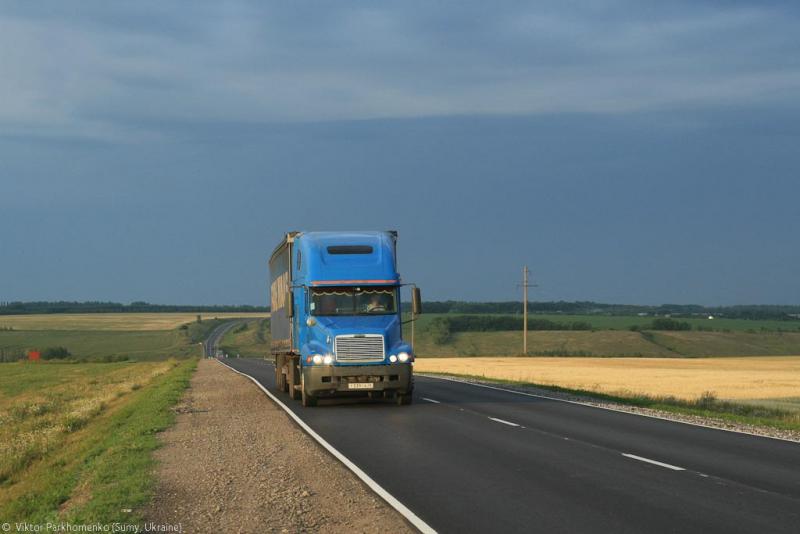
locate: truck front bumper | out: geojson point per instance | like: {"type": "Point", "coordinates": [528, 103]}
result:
{"type": "Point", "coordinates": [332, 380]}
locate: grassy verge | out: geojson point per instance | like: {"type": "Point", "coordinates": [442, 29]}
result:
{"type": "Point", "coordinates": [92, 433]}
{"type": "Point", "coordinates": [706, 405]}
{"type": "Point", "coordinates": [249, 340]}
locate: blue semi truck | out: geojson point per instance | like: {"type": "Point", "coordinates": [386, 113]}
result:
{"type": "Point", "coordinates": [335, 317]}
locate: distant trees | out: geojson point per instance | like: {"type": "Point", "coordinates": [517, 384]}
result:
{"type": "Point", "coordinates": [755, 312]}
{"type": "Point", "coordinates": [55, 353]}
{"type": "Point", "coordinates": [666, 323]}
{"type": "Point", "coordinates": [441, 328]}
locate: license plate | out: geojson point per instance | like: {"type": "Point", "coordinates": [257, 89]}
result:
{"type": "Point", "coordinates": [360, 385]}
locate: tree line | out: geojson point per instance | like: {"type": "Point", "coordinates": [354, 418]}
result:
{"type": "Point", "coordinates": [755, 312]}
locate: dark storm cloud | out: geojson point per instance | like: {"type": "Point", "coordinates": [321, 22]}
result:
{"type": "Point", "coordinates": [627, 151]}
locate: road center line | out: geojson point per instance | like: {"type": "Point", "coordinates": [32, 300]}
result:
{"type": "Point", "coordinates": [509, 423]}
{"type": "Point", "coordinates": [431, 400]}
{"type": "Point", "coordinates": [654, 462]}
{"type": "Point", "coordinates": [588, 404]}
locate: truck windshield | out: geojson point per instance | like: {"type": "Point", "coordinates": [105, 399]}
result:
{"type": "Point", "coordinates": [375, 300]}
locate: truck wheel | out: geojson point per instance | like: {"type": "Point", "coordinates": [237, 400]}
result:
{"type": "Point", "coordinates": [292, 379]}
{"type": "Point", "coordinates": [308, 400]}
{"type": "Point", "coordinates": [404, 400]}
{"type": "Point", "coordinates": [280, 379]}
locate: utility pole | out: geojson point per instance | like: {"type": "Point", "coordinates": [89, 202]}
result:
{"type": "Point", "coordinates": [525, 286]}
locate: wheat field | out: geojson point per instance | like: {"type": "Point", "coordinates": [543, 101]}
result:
{"type": "Point", "coordinates": [741, 378]}
{"type": "Point", "coordinates": [112, 321]}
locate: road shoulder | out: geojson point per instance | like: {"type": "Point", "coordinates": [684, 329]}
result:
{"type": "Point", "coordinates": [234, 462]}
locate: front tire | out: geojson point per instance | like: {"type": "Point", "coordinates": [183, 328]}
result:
{"type": "Point", "coordinates": [404, 400]}
{"type": "Point", "coordinates": [293, 370]}
{"type": "Point", "coordinates": [280, 378]}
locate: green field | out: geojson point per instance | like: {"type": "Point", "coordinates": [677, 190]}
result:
{"type": "Point", "coordinates": [625, 322]}
{"type": "Point", "coordinates": [110, 345]}
{"type": "Point", "coordinates": [611, 336]}
{"type": "Point", "coordinates": [77, 438]}
{"type": "Point", "coordinates": [612, 343]}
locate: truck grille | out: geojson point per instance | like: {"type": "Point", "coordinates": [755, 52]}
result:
{"type": "Point", "coordinates": [359, 348]}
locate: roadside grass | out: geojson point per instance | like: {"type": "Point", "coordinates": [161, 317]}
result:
{"type": "Point", "coordinates": [77, 437]}
{"type": "Point", "coordinates": [705, 405]}
{"type": "Point", "coordinates": [78, 444]}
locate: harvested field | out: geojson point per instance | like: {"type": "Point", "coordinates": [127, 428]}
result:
{"type": "Point", "coordinates": [763, 378]}
{"type": "Point", "coordinates": [112, 321]}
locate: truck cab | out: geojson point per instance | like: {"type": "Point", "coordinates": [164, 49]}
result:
{"type": "Point", "coordinates": [336, 321]}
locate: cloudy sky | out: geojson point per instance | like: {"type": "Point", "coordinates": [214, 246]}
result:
{"type": "Point", "coordinates": [627, 151]}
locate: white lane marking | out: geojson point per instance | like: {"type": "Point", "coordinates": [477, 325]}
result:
{"type": "Point", "coordinates": [654, 462]}
{"type": "Point", "coordinates": [509, 423]}
{"type": "Point", "coordinates": [410, 516]}
{"type": "Point", "coordinates": [431, 400]}
{"type": "Point", "coordinates": [604, 407]}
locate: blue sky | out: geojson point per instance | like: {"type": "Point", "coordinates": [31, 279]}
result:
{"type": "Point", "coordinates": [627, 151]}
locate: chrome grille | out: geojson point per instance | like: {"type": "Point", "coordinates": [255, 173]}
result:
{"type": "Point", "coordinates": [359, 348]}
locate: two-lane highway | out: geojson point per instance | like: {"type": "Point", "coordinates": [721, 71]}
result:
{"type": "Point", "coordinates": [466, 458]}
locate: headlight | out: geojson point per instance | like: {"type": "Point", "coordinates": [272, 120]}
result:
{"type": "Point", "coordinates": [392, 358]}
{"type": "Point", "coordinates": [317, 359]}
{"type": "Point", "coordinates": [403, 357]}
{"type": "Point", "coordinates": [327, 359]}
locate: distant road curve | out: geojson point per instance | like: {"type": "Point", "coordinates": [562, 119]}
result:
{"type": "Point", "coordinates": [211, 343]}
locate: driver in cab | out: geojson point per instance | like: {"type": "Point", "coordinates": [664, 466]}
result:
{"type": "Point", "coordinates": [376, 304]}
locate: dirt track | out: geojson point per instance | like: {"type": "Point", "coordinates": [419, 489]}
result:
{"type": "Point", "coordinates": [234, 462]}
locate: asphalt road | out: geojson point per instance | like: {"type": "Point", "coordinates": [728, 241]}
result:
{"type": "Point", "coordinates": [471, 459]}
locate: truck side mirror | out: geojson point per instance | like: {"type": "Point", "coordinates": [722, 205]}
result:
{"type": "Point", "coordinates": [416, 301]}
{"type": "Point", "coordinates": [290, 304]}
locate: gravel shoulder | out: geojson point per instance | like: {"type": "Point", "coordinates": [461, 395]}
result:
{"type": "Point", "coordinates": [235, 462]}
